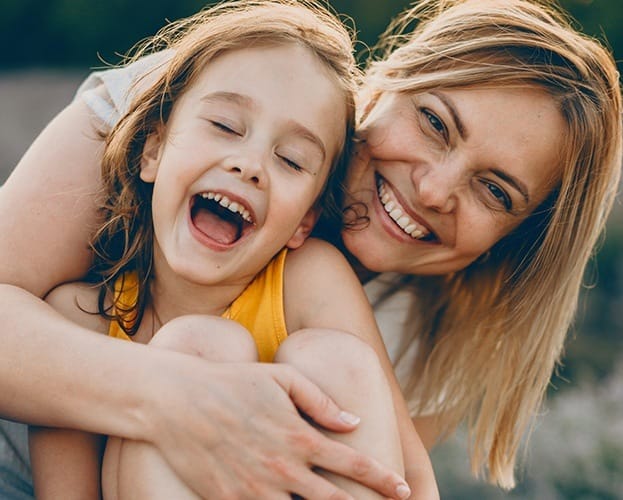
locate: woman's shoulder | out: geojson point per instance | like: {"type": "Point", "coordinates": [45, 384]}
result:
{"type": "Point", "coordinates": [108, 92]}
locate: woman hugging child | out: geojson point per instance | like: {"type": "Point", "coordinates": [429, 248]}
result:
{"type": "Point", "coordinates": [220, 168]}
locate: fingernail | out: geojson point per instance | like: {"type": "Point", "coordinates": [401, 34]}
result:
{"type": "Point", "coordinates": [349, 418]}
{"type": "Point", "coordinates": [403, 491]}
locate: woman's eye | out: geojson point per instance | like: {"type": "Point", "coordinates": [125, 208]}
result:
{"type": "Point", "coordinates": [500, 195]}
{"type": "Point", "coordinates": [435, 122]}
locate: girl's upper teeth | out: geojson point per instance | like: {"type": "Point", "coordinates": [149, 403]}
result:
{"type": "Point", "coordinates": [225, 202]}
{"type": "Point", "coordinates": [398, 215]}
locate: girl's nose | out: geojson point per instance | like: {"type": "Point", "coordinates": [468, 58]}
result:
{"type": "Point", "coordinates": [247, 173]}
{"type": "Point", "coordinates": [249, 168]}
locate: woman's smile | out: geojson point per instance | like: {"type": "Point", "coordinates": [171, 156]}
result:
{"type": "Point", "coordinates": [405, 218]}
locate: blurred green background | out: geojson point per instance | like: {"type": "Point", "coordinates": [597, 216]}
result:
{"type": "Point", "coordinates": [73, 32]}
{"type": "Point", "coordinates": [576, 451]}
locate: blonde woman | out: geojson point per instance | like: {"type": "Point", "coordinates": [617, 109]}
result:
{"type": "Point", "coordinates": [488, 159]}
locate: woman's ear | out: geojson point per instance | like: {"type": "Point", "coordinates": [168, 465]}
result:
{"type": "Point", "coordinates": [150, 159]}
{"type": "Point", "coordinates": [305, 228]}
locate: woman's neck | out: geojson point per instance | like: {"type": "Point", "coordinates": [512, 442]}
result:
{"type": "Point", "coordinates": [363, 273]}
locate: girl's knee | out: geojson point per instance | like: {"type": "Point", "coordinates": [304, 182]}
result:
{"type": "Point", "coordinates": [210, 337]}
{"type": "Point", "coordinates": [334, 353]}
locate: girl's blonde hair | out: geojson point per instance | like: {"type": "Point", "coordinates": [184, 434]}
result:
{"type": "Point", "coordinates": [489, 336]}
{"type": "Point", "coordinates": [125, 239]}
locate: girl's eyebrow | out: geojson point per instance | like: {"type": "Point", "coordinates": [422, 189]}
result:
{"type": "Point", "coordinates": [230, 97]}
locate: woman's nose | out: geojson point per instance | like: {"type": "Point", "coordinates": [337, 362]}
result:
{"type": "Point", "coordinates": [437, 187]}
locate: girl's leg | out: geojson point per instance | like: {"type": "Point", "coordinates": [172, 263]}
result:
{"type": "Point", "coordinates": [349, 371]}
{"type": "Point", "coordinates": [137, 470]}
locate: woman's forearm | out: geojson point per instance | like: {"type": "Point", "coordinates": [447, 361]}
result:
{"type": "Point", "coordinates": [56, 373]}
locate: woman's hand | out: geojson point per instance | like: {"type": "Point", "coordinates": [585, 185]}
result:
{"type": "Point", "coordinates": [233, 431]}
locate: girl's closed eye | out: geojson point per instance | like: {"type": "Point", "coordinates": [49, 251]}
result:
{"type": "Point", "coordinates": [226, 127]}
{"type": "Point", "coordinates": [290, 162]}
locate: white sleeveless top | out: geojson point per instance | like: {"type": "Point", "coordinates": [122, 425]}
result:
{"type": "Point", "coordinates": [119, 85]}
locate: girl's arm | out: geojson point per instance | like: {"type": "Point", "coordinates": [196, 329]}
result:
{"type": "Point", "coordinates": [56, 373]}
{"type": "Point", "coordinates": [323, 292]}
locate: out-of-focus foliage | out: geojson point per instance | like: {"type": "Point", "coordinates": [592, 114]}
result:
{"type": "Point", "coordinates": [74, 32]}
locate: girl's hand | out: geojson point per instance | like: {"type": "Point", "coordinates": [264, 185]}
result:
{"type": "Point", "coordinates": [233, 431]}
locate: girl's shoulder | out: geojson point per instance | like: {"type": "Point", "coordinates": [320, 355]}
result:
{"type": "Point", "coordinates": [319, 285]}
{"type": "Point", "coordinates": [316, 261]}
{"type": "Point", "coordinates": [77, 301]}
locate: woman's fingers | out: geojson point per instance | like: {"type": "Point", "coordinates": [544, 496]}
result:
{"type": "Point", "coordinates": [312, 401]}
{"type": "Point", "coordinates": [311, 486]}
{"type": "Point", "coordinates": [233, 431]}
{"type": "Point", "coordinates": [332, 455]}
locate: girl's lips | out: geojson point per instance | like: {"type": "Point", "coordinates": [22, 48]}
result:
{"type": "Point", "coordinates": [398, 217]}
{"type": "Point", "coordinates": [217, 221]}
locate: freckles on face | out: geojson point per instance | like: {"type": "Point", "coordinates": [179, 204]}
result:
{"type": "Point", "coordinates": [446, 174]}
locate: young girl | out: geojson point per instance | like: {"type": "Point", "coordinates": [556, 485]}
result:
{"type": "Point", "coordinates": [460, 118]}
{"type": "Point", "coordinates": [218, 168]}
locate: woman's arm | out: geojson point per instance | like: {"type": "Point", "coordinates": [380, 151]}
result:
{"type": "Point", "coordinates": [323, 292]}
{"type": "Point", "coordinates": [66, 463]}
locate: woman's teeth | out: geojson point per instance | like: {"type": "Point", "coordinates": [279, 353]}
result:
{"type": "Point", "coordinates": [225, 202]}
{"type": "Point", "coordinates": [398, 215]}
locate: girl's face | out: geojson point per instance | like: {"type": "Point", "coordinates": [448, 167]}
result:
{"type": "Point", "coordinates": [244, 155]}
{"type": "Point", "coordinates": [447, 173]}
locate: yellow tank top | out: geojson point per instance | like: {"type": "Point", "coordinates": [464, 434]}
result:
{"type": "Point", "coordinates": [259, 308]}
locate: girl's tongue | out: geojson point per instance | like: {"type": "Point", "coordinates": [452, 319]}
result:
{"type": "Point", "coordinates": [216, 222]}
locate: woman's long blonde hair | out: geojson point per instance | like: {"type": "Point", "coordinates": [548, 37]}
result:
{"type": "Point", "coordinates": [489, 336]}
{"type": "Point", "coordinates": [125, 239]}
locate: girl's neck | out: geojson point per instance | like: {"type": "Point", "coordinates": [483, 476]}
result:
{"type": "Point", "coordinates": [172, 295]}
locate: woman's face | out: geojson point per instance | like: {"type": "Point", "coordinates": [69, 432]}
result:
{"type": "Point", "coordinates": [447, 173]}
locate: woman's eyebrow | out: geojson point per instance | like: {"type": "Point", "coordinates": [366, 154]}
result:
{"type": "Point", "coordinates": [450, 106]}
{"type": "Point", "coordinates": [513, 181]}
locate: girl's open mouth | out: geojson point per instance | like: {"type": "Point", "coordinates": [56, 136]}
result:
{"type": "Point", "coordinates": [218, 218]}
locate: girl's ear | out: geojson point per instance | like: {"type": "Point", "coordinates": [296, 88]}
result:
{"type": "Point", "coordinates": [150, 159]}
{"type": "Point", "coordinates": [304, 229]}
